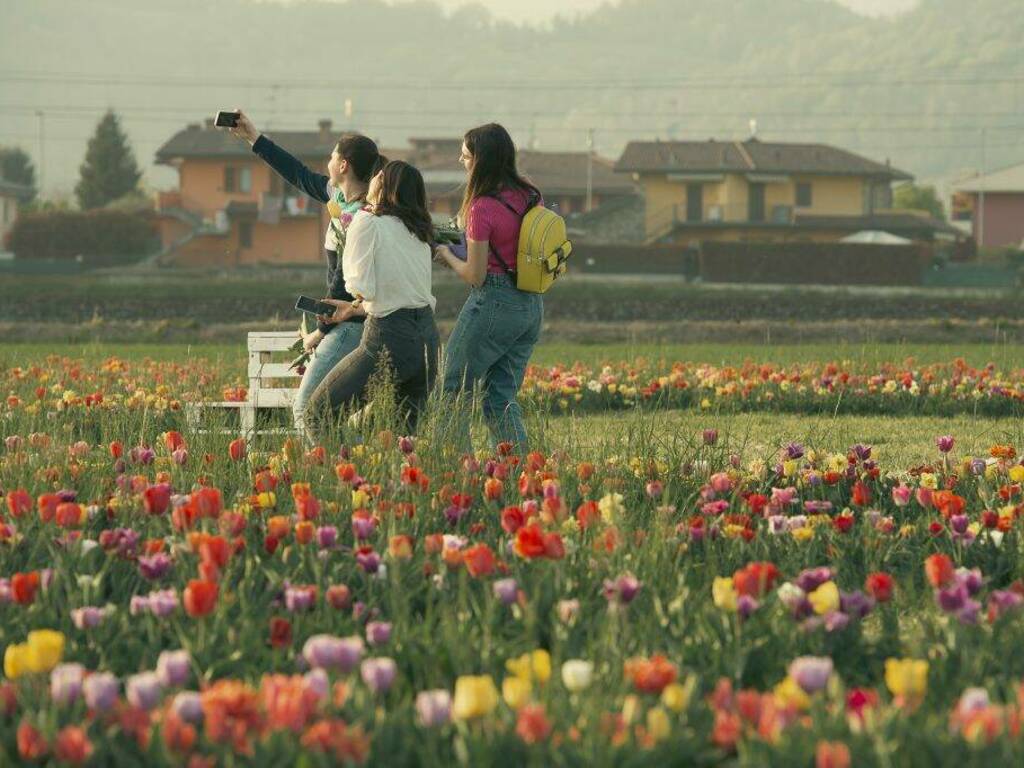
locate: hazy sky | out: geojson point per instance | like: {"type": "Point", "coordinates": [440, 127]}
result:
{"type": "Point", "coordinates": [525, 10]}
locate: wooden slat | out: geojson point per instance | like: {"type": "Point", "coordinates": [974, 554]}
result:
{"type": "Point", "coordinates": [221, 404]}
{"type": "Point", "coordinates": [273, 398]}
{"type": "Point", "coordinates": [258, 370]}
{"type": "Point", "coordinates": [278, 343]}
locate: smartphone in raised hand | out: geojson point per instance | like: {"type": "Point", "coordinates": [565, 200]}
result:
{"type": "Point", "coordinates": [226, 119]}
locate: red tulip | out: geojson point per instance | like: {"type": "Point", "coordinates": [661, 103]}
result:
{"type": "Point", "coordinates": [880, 586]}
{"type": "Point", "coordinates": [237, 449]}
{"type": "Point", "coordinates": [19, 502]}
{"type": "Point", "coordinates": [939, 570]}
{"type": "Point", "coordinates": [479, 560]}
{"type": "Point", "coordinates": [200, 597]}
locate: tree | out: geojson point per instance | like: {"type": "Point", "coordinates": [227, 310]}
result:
{"type": "Point", "coordinates": [109, 170]}
{"type": "Point", "coordinates": [16, 166]}
{"type": "Point", "coordinates": [915, 198]}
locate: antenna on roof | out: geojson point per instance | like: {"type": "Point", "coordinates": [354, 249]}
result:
{"type": "Point", "coordinates": [753, 127]}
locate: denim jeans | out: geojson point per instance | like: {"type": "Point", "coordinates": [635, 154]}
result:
{"type": "Point", "coordinates": [409, 336]}
{"type": "Point", "coordinates": [490, 347]}
{"type": "Point", "coordinates": [342, 339]}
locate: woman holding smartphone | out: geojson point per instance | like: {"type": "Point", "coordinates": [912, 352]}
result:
{"type": "Point", "coordinates": [354, 161]}
{"type": "Point", "coordinates": [499, 325]}
{"type": "Point", "coordinates": [387, 268]}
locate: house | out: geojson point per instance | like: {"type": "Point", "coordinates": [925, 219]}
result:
{"type": "Point", "coordinates": [231, 208]}
{"type": "Point", "coordinates": [993, 203]}
{"type": "Point", "coordinates": [11, 195]}
{"type": "Point", "coordinates": [759, 191]}
{"type": "Point", "coordinates": [561, 176]}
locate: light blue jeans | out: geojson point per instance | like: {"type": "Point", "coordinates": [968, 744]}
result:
{"type": "Point", "coordinates": [490, 347]}
{"type": "Point", "coordinates": [343, 339]}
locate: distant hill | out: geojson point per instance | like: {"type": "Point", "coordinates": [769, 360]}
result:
{"type": "Point", "coordinates": [917, 88]}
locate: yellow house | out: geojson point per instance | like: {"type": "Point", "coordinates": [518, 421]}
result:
{"type": "Point", "coordinates": [763, 191]}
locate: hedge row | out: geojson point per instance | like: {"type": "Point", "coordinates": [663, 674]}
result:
{"type": "Point", "coordinates": [99, 237]}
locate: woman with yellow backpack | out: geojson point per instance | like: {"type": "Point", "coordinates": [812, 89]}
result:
{"type": "Point", "coordinates": [515, 247]}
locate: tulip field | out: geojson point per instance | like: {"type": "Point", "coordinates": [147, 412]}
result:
{"type": "Point", "coordinates": [646, 586]}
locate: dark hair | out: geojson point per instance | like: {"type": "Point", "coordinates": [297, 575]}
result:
{"type": "Point", "coordinates": [403, 195]}
{"type": "Point", "coordinates": [361, 153]}
{"type": "Point", "coordinates": [494, 165]}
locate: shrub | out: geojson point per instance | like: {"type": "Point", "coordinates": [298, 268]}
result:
{"type": "Point", "coordinates": [100, 237]}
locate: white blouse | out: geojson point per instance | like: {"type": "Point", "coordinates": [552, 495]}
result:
{"type": "Point", "coordinates": [386, 265]}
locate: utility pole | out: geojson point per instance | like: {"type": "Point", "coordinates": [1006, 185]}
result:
{"type": "Point", "coordinates": [981, 190]}
{"type": "Point", "coordinates": [40, 116]}
{"type": "Point", "coordinates": [590, 169]}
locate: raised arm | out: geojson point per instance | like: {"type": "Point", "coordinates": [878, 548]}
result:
{"type": "Point", "coordinates": [288, 167]}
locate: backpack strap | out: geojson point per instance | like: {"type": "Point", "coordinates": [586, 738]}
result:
{"type": "Point", "coordinates": [532, 201]}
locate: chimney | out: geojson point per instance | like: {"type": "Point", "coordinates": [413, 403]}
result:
{"type": "Point", "coordinates": [753, 128]}
{"type": "Point", "coordinates": [192, 127]}
{"type": "Point", "coordinates": [325, 130]}
{"type": "Point", "coordinates": [209, 123]}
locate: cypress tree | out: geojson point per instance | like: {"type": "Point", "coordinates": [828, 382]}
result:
{"type": "Point", "coordinates": [16, 166]}
{"type": "Point", "coordinates": [109, 170]}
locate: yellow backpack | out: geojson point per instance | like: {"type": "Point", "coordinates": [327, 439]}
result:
{"type": "Point", "coordinates": [544, 247]}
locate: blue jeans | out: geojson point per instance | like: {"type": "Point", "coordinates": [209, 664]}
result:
{"type": "Point", "coordinates": [490, 347]}
{"type": "Point", "coordinates": [343, 339]}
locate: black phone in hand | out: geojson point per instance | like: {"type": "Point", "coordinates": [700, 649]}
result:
{"type": "Point", "coordinates": [227, 119]}
{"type": "Point", "coordinates": [314, 306]}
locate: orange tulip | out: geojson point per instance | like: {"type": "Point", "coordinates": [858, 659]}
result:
{"type": "Point", "coordinates": [200, 597]}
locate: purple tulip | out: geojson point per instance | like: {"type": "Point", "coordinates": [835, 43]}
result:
{"type": "Point", "coordinates": [363, 527]}
{"type": "Point", "coordinates": [433, 708]}
{"type": "Point", "coordinates": [978, 466]}
{"type": "Point", "coordinates": [856, 604]}
{"type": "Point", "coordinates": [101, 691]}
{"type": "Point", "coordinates": [969, 613]}
{"type": "Point", "coordinates": [144, 690]}
{"type": "Point", "coordinates": [163, 602]}
{"type": "Point", "coordinates": [406, 445]}
{"type": "Point", "coordinates": [811, 673]}
{"type": "Point", "coordinates": [180, 456]}
{"type": "Point", "coordinates": [142, 455]}
{"type": "Point", "coordinates": [318, 682]}
{"type": "Point", "coordinates": [378, 674]}
{"type": "Point", "coordinates": [944, 443]}
{"type": "Point", "coordinates": [836, 621]}
{"type": "Point", "coordinates": [952, 599]}
{"type": "Point", "coordinates": [622, 590]}
{"type": "Point", "coordinates": [369, 561]}
{"type": "Point", "coordinates": [155, 566]}
{"type": "Point", "coordinates": [794, 451]}
{"type": "Point", "coordinates": [326, 536]}
{"type": "Point", "coordinates": [506, 590]}
{"type": "Point", "coordinates": [188, 705]}
{"type": "Point", "coordinates": [745, 606]}
{"type": "Point", "coordinates": [330, 652]}
{"type": "Point", "coordinates": [709, 436]}
{"type": "Point", "coordinates": [958, 523]}
{"type": "Point", "coordinates": [862, 452]}
{"type": "Point", "coordinates": [298, 598]}
{"type": "Point", "coordinates": [378, 632]}
{"type": "Point", "coordinates": [172, 667]}
{"type": "Point", "coordinates": [66, 683]}
{"type": "Point", "coordinates": [812, 578]}
{"type": "Point", "coordinates": [972, 579]}
{"type": "Point", "coordinates": [88, 617]}
{"type": "Point", "coordinates": [1002, 601]}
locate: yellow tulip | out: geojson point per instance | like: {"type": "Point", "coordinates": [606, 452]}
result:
{"type": "Point", "coordinates": [15, 660]}
{"type": "Point", "coordinates": [531, 666]}
{"type": "Point", "coordinates": [658, 725]}
{"type": "Point", "coordinates": [789, 693]}
{"type": "Point", "coordinates": [45, 649]}
{"type": "Point", "coordinates": [475, 696]}
{"type": "Point", "coordinates": [676, 697]}
{"type": "Point", "coordinates": [724, 593]}
{"type": "Point", "coordinates": [907, 678]}
{"type": "Point", "coordinates": [825, 598]}
{"type": "Point", "coordinates": [516, 691]}
{"type": "Point", "coordinates": [1017, 473]}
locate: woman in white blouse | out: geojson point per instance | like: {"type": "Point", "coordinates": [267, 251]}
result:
{"type": "Point", "coordinates": [387, 267]}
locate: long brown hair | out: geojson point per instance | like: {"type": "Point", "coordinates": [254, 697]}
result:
{"type": "Point", "coordinates": [404, 195]}
{"type": "Point", "coordinates": [494, 166]}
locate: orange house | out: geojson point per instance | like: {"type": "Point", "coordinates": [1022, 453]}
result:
{"type": "Point", "coordinates": [230, 208]}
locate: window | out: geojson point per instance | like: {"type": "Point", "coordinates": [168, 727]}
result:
{"type": "Point", "coordinates": [245, 234]}
{"type": "Point", "coordinates": [229, 179]}
{"type": "Point", "coordinates": [803, 195]}
{"type": "Point", "coordinates": [245, 179]}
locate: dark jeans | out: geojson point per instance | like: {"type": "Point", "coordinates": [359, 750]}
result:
{"type": "Point", "coordinates": [409, 336]}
